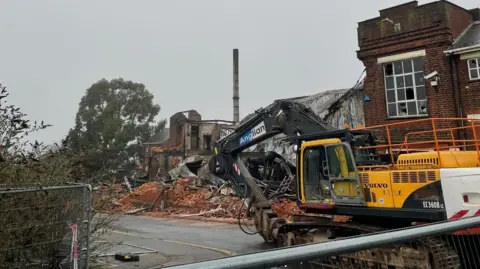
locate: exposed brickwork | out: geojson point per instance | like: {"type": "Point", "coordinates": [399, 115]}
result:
{"type": "Point", "coordinates": [469, 90]}
{"type": "Point", "coordinates": [432, 27]}
{"type": "Point", "coordinates": [458, 19]}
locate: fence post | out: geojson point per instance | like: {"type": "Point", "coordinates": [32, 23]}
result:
{"type": "Point", "coordinates": [88, 188]}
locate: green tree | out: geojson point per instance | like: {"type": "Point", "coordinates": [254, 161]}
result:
{"type": "Point", "coordinates": [39, 226]}
{"type": "Point", "coordinates": [14, 127]}
{"type": "Point", "coordinates": [31, 164]}
{"type": "Point", "coordinates": [114, 118]}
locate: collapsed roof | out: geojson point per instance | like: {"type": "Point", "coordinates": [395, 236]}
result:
{"type": "Point", "coordinates": [336, 107]}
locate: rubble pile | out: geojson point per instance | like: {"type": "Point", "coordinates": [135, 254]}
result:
{"type": "Point", "coordinates": [285, 208]}
{"type": "Point", "coordinates": [206, 201]}
{"type": "Point", "coordinates": [192, 191]}
{"type": "Point", "coordinates": [105, 197]}
{"type": "Point", "coordinates": [143, 195]}
{"type": "Point", "coordinates": [274, 172]}
{"type": "Point", "coordinates": [182, 198]}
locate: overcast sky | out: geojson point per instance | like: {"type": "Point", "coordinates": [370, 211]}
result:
{"type": "Point", "coordinates": [52, 51]}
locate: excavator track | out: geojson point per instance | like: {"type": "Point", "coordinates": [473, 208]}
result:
{"type": "Point", "coordinates": [426, 253]}
{"type": "Point", "coordinates": [429, 253]}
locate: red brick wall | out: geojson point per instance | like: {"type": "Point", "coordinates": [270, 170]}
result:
{"type": "Point", "coordinates": [431, 27]}
{"type": "Point", "coordinates": [411, 17]}
{"type": "Point", "coordinates": [469, 90]}
{"type": "Point", "coordinates": [458, 19]}
{"type": "Point", "coordinates": [440, 102]}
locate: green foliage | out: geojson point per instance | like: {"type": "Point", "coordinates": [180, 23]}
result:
{"type": "Point", "coordinates": [28, 218]}
{"type": "Point", "coordinates": [114, 118]}
{"type": "Point", "coordinates": [27, 164]}
{"type": "Point", "coordinates": [34, 223]}
{"type": "Point", "coordinates": [14, 127]}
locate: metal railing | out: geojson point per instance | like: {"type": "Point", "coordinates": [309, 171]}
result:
{"type": "Point", "coordinates": [421, 135]}
{"type": "Point", "coordinates": [45, 227]}
{"type": "Point", "coordinates": [451, 250]}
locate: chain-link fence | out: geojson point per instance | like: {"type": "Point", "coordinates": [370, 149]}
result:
{"type": "Point", "coordinates": [45, 227]}
{"type": "Point", "coordinates": [446, 245]}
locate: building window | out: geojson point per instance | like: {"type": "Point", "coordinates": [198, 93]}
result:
{"type": "Point", "coordinates": [195, 138]}
{"type": "Point", "coordinates": [207, 140]}
{"type": "Point", "coordinates": [474, 68]}
{"type": "Point", "coordinates": [405, 88]}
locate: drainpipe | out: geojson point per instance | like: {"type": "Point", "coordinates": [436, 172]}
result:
{"type": "Point", "coordinates": [456, 90]}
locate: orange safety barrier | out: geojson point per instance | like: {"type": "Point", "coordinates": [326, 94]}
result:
{"type": "Point", "coordinates": [432, 134]}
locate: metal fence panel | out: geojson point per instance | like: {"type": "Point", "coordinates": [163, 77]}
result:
{"type": "Point", "coordinates": [45, 227]}
{"type": "Point", "coordinates": [463, 251]}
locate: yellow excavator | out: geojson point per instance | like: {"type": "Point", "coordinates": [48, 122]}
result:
{"type": "Point", "coordinates": [379, 183]}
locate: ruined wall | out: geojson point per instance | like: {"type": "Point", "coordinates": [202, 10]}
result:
{"type": "Point", "coordinates": [193, 115]}
{"type": "Point", "coordinates": [207, 130]}
{"type": "Point", "coordinates": [162, 162]}
{"type": "Point", "coordinates": [350, 112]}
{"type": "Point", "coordinates": [186, 128]}
{"type": "Point", "coordinates": [176, 130]}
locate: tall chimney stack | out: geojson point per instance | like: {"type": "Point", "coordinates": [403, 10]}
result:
{"type": "Point", "coordinates": [236, 96]}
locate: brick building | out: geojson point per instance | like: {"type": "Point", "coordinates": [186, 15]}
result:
{"type": "Point", "coordinates": [409, 42]}
{"type": "Point", "coordinates": [187, 135]}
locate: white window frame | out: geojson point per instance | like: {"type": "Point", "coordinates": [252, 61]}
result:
{"type": "Point", "coordinates": [396, 89]}
{"type": "Point", "coordinates": [474, 69]}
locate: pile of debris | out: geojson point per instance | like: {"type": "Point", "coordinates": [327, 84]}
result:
{"type": "Point", "coordinates": [274, 174]}
{"type": "Point", "coordinates": [141, 196]}
{"type": "Point", "coordinates": [190, 190]}
{"type": "Point", "coordinates": [286, 208]}
{"type": "Point", "coordinates": [105, 197]}
{"type": "Point", "coordinates": [184, 199]}
{"type": "Point", "coordinates": [194, 168]}
{"type": "Point", "coordinates": [180, 198]}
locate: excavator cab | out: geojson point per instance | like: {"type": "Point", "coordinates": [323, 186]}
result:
{"type": "Point", "coordinates": [328, 175]}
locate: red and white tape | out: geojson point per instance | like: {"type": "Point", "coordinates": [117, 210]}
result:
{"type": "Point", "coordinates": [465, 213]}
{"type": "Point", "coordinates": [74, 249]}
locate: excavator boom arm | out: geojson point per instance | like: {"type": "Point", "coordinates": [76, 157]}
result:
{"type": "Point", "coordinates": [281, 117]}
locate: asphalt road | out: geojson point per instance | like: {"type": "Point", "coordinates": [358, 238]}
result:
{"type": "Point", "coordinates": [153, 252]}
{"type": "Point", "coordinates": [218, 236]}
{"type": "Point", "coordinates": [167, 242]}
